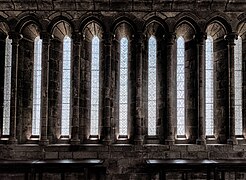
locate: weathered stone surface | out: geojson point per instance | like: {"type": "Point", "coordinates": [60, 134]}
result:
{"type": "Point", "coordinates": [137, 20]}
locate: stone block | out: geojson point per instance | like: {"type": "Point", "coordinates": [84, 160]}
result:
{"type": "Point", "coordinates": [65, 155]}
{"type": "Point", "coordinates": [194, 155]}
{"type": "Point", "coordinates": [51, 155]}
{"type": "Point", "coordinates": [178, 147]}
{"type": "Point", "coordinates": [239, 148]}
{"type": "Point", "coordinates": [194, 147]}
{"type": "Point", "coordinates": [84, 155]}
{"type": "Point", "coordinates": [219, 148]}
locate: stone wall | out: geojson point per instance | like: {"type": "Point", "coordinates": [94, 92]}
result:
{"type": "Point", "coordinates": [124, 158]}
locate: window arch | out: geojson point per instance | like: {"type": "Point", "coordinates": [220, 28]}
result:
{"type": "Point", "coordinates": [123, 87]}
{"type": "Point", "coordinates": [180, 86]}
{"type": "Point", "coordinates": [94, 86]}
{"type": "Point", "coordinates": [66, 86]}
{"type": "Point", "coordinates": [238, 86]}
{"type": "Point", "coordinates": [7, 86]}
{"type": "Point", "coordinates": [152, 86]}
{"type": "Point", "coordinates": [209, 95]}
{"type": "Point", "coordinates": [37, 86]}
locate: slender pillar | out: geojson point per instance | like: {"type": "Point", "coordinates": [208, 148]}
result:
{"type": "Point", "coordinates": [139, 124]}
{"type": "Point", "coordinates": [45, 86]}
{"type": "Point", "coordinates": [14, 79]}
{"type": "Point", "coordinates": [171, 118]}
{"type": "Point", "coordinates": [231, 89]}
{"type": "Point", "coordinates": [76, 37]}
{"type": "Point", "coordinates": [201, 37]}
{"type": "Point", "coordinates": [106, 119]}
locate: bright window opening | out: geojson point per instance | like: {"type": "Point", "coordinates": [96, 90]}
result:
{"type": "Point", "coordinates": [66, 86]}
{"type": "Point", "coordinates": [123, 93]}
{"type": "Point", "coordinates": [238, 86]}
{"type": "Point", "coordinates": [152, 86]}
{"type": "Point", "coordinates": [180, 86]}
{"type": "Point", "coordinates": [95, 86]}
{"type": "Point", "coordinates": [7, 86]}
{"type": "Point", "coordinates": [209, 100]}
{"type": "Point", "coordinates": [37, 86]}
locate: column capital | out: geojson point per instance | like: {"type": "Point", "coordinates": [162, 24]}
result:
{"type": "Point", "coordinates": [15, 36]}
{"type": "Point", "coordinates": [200, 37]}
{"type": "Point", "coordinates": [170, 38]}
{"type": "Point", "coordinates": [139, 37]}
{"type": "Point", "coordinates": [107, 38]}
{"type": "Point", "coordinates": [231, 37]}
{"type": "Point", "coordinates": [76, 37]}
{"type": "Point", "coordinates": [45, 36]}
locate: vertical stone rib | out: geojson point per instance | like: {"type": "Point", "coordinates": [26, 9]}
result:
{"type": "Point", "coordinates": [106, 129]}
{"type": "Point", "coordinates": [75, 91]}
{"type": "Point", "coordinates": [231, 90]}
{"type": "Point", "coordinates": [139, 124]}
{"type": "Point", "coordinates": [171, 118]}
{"type": "Point", "coordinates": [14, 79]}
{"type": "Point", "coordinates": [45, 86]}
{"type": "Point", "coordinates": [201, 87]}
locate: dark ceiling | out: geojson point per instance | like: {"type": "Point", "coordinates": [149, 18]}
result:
{"type": "Point", "coordinates": [124, 5]}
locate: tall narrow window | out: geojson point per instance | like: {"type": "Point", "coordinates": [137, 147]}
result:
{"type": "Point", "coordinates": [123, 98]}
{"type": "Point", "coordinates": [36, 86]}
{"type": "Point", "coordinates": [152, 86]}
{"type": "Point", "coordinates": [95, 86]}
{"type": "Point", "coordinates": [66, 86]}
{"type": "Point", "coordinates": [7, 86]}
{"type": "Point", "coordinates": [180, 86]}
{"type": "Point", "coordinates": [238, 86]}
{"type": "Point", "coordinates": [209, 100]}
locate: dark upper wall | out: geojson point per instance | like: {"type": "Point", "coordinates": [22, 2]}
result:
{"type": "Point", "coordinates": [124, 5]}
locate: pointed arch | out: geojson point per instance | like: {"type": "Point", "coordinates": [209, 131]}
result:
{"type": "Point", "coordinates": [58, 20]}
{"type": "Point", "coordinates": [25, 21]}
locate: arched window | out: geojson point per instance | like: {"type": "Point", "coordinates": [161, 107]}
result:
{"type": "Point", "coordinates": [152, 86]}
{"type": "Point", "coordinates": [7, 86]}
{"type": "Point", "coordinates": [123, 90]}
{"type": "Point", "coordinates": [180, 86]}
{"type": "Point", "coordinates": [94, 86]}
{"type": "Point", "coordinates": [36, 86]}
{"type": "Point", "coordinates": [209, 95]}
{"type": "Point", "coordinates": [66, 86]}
{"type": "Point", "coordinates": [238, 86]}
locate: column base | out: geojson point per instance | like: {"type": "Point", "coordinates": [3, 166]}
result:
{"type": "Point", "coordinates": [107, 141]}
{"type": "Point", "coordinates": [44, 142]}
{"type": "Point", "coordinates": [75, 142]}
{"type": "Point", "coordinates": [169, 142]}
{"type": "Point", "coordinates": [200, 141]}
{"type": "Point", "coordinates": [231, 141]}
{"type": "Point", "coordinates": [138, 142]}
{"type": "Point", "coordinates": [12, 141]}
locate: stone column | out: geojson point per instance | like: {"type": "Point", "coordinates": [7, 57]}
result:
{"type": "Point", "coordinates": [75, 91]}
{"type": "Point", "coordinates": [201, 37]}
{"type": "Point", "coordinates": [106, 115]}
{"type": "Point", "coordinates": [139, 124]}
{"type": "Point", "coordinates": [231, 89]}
{"type": "Point", "coordinates": [45, 86]}
{"type": "Point", "coordinates": [14, 79]}
{"type": "Point", "coordinates": [171, 118]}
